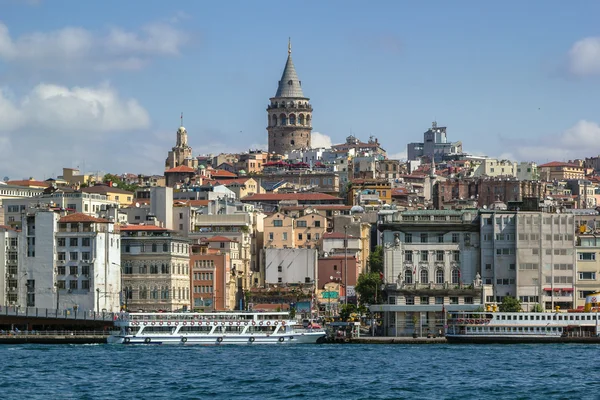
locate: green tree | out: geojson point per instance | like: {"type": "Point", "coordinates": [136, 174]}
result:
{"type": "Point", "coordinates": [537, 308]}
{"type": "Point", "coordinates": [376, 260]}
{"type": "Point", "coordinates": [510, 304]}
{"type": "Point", "coordinates": [367, 287]}
{"type": "Point", "coordinates": [346, 310]}
{"type": "Point", "coordinates": [119, 182]}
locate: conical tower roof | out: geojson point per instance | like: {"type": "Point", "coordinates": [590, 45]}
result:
{"type": "Point", "coordinates": [289, 85]}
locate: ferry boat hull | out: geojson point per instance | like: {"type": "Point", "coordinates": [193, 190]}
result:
{"type": "Point", "coordinates": [211, 329]}
{"type": "Point", "coordinates": [306, 338]}
{"type": "Point", "coordinates": [523, 327]}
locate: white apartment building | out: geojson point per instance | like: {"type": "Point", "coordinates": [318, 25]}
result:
{"type": "Point", "coordinates": [70, 201]}
{"type": "Point", "coordinates": [67, 262]}
{"type": "Point", "coordinates": [284, 266]}
{"type": "Point", "coordinates": [15, 192]}
{"type": "Point", "coordinates": [9, 260]}
{"type": "Point", "coordinates": [491, 167]}
{"type": "Point", "coordinates": [527, 171]}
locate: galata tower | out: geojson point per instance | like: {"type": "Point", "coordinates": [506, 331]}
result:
{"type": "Point", "coordinates": [290, 113]}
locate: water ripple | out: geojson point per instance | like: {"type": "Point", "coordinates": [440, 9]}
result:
{"type": "Point", "coordinates": [299, 372]}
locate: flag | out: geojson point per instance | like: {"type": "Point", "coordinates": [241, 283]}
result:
{"type": "Point", "coordinates": [381, 276]}
{"type": "Point", "coordinates": [414, 270]}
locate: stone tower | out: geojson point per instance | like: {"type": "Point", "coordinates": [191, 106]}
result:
{"type": "Point", "coordinates": [290, 113]}
{"type": "Point", "coordinates": [181, 154]}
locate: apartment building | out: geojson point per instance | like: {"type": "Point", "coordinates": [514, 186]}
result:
{"type": "Point", "coordinates": [155, 268]}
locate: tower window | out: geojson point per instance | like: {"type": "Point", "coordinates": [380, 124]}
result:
{"type": "Point", "coordinates": [292, 142]}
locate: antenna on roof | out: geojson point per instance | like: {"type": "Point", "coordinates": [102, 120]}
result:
{"type": "Point", "coordinates": [289, 45]}
{"type": "Point", "coordinates": [181, 119]}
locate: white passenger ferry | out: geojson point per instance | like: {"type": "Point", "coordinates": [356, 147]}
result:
{"type": "Point", "coordinates": [211, 328]}
{"type": "Point", "coordinates": [527, 327]}
{"type": "Point", "coordinates": [521, 327]}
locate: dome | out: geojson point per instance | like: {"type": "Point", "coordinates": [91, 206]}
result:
{"type": "Point", "coordinates": [202, 167]}
{"type": "Point", "coordinates": [357, 209]}
{"type": "Point", "coordinates": [181, 130]}
{"type": "Point", "coordinates": [242, 172]}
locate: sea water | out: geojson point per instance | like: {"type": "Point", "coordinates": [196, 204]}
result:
{"type": "Point", "coordinates": [566, 371]}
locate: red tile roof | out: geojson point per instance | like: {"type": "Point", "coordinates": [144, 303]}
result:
{"type": "Point", "coordinates": [29, 183]}
{"type": "Point", "coordinates": [181, 168]}
{"type": "Point", "coordinates": [222, 173]}
{"type": "Point", "coordinates": [81, 217]}
{"type": "Point", "coordinates": [558, 164]}
{"type": "Point", "coordinates": [289, 196]}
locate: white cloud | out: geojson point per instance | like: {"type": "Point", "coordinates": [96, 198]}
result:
{"type": "Point", "coordinates": [318, 139]}
{"type": "Point", "coordinates": [398, 156]}
{"type": "Point", "coordinates": [60, 109]}
{"type": "Point", "coordinates": [78, 48]}
{"type": "Point", "coordinates": [54, 126]}
{"type": "Point", "coordinates": [584, 57]}
{"type": "Point", "coordinates": [579, 141]}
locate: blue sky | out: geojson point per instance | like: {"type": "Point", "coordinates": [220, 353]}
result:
{"type": "Point", "coordinates": [101, 85]}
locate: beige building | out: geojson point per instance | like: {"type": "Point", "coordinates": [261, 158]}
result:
{"type": "Point", "coordinates": [588, 267]}
{"type": "Point", "coordinates": [243, 187]}
{"type": "Point", "coordinates": [112, 193]}
{"type": "Point", "coordinates": [282, 231]}
{"type": "Point", "coordinates": [557, 170]}
{"type": "Point", "coordinates": [155, 267]}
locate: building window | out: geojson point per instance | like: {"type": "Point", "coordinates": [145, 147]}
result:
{"type": "Point", "coordinates": [424, 300]}
{"type": "Point", "coordinates": [279, 280]}
{"type": "Point", "coordinates": [73, 256]}
{"type": "Point", "coordinates": [73, 242]}
{"type": "Point", "coordinates": [468, 300]}
{"type": "Point", "coordinates": [278, 222]}
{"type": "Point", "coordinates": [408, 255]}
{"type": "Point", "coordinates": [408, 237]}
{"type": "Point", "coordinates": [439, 255]}
{"type": "Point", "coordinates": [61, 270]}
{"type": "Point", "coordinates": [587, 256]}
{"type": "Point", "coordinates": [62, 256]}
{"type": "Point", "coordinates": [424, 256]}
{"type": "Point", "coordinates": [73, 270]}
{"type": "Point", "coordinates": [301, 224]}
{"type": "Point", "coordinates": [439, 276]}
{"type": "Point", "coordinates": [61, 242]}
{"type": "Point", "coordinates": [441, 238]}
{"type": "Point", "coordinates": [85, 242]}
{"type": "Point", "coordinates": [408, 275]}
{"type": "Point", "coordinates": [423, 238]}
{"type": "Point", "coordinates": [424, 276]}
{"type": "Point", "coordinates": [586, 276]}
{"type": "Point", "coordinates": [73, 284]}
{"type": "Point", "coordinates": [85, 285]}
{"type": "Point", "coordinates": [410, 300]}
{"type": "Point", "coordinates": [279, 268]}
{"type": "Point", "coordinates": [317, 224]}
{"type": "Point", "coordinates": [299, 236]}
{"type": "Point", "coordinates": [455, 238]}
{"type": "Point", "coordinates": [284, 236]}
{"type": "Point", "coordinates": [455, 276]}
{"type": "Point", "coordinates": [453, 300]}
{"type": "Point", "coordinates": [456, 256]}
{"type": "Point", "coordinates": [439, 300]}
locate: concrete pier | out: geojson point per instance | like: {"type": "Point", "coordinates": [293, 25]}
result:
{"type": "Point", "coordinates": [398, 340]}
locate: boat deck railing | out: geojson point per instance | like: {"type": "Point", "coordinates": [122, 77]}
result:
{"type": "Point", "coordinates": [199, 317]}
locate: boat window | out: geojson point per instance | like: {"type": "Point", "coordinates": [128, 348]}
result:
{"type": "Point", "coordinates": [503, 317]}
{"type": "Point", "coordinates": [526, 317]}
{"type": "Point", "coordinates": [520, 318]}
{"type": "Point", "coordinates": [571, 318]}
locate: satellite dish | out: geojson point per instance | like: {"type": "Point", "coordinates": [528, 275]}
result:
{"type": "Point", "coordinates": [137, 204]}
{"type": "Point", "coordinates": [6, 179]}
{"type": "Point", "coordinates": [115, 185]}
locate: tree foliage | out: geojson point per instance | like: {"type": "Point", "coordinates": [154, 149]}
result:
{"type": "Point", "coordinates": [346, 311]}
{"type": "Point", "coordinates": [538, 308]}
{"type": "Point", "coordinates": [118, 182]}
{"type": "Point", "coordinates": [510, 304]}
{"type": "Point", "coordinates": [376, 259]}
{"type": "Point", "coordinates": [369, 285]}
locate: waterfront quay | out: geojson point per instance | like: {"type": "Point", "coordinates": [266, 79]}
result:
{"type": "Point", "coordinates": [53, 337]}
{"type": "Point", "coordinates": [396, 340]}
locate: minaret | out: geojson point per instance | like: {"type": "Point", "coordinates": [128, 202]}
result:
{"type": "Point", "coordinates": [181, 154]}
{"type": "Point", "coordinates": [289, 113]}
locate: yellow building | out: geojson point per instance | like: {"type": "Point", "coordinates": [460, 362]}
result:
{"type": "Point", "coordinates": [282, 231]}
{"type": "Point", "coordinates": [369, 192]}
{"type": "Point", "coordinates": [112, 193]}
{"type": "Point", "coordinates": [243, 187]}
{"type": "Point", "coordinates": [557, 170]}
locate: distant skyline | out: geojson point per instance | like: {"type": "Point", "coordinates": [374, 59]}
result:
{"type": "Point", "coordinates": [101, 85]}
